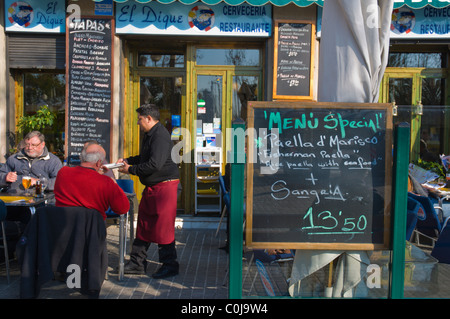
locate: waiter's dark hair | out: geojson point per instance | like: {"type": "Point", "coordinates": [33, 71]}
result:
{"type": "Point", "coordinates": [149, 109]}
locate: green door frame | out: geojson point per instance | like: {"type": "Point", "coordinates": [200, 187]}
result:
{"type": "Point", "coordinates": [416, 74]}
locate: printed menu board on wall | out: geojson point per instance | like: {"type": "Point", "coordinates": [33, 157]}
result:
{"type": "Point", "coordinates": [323, 181]}
{"type": "Point", "coordinates": [89, 78]}
{"type": "Point", "coordinates": [293, 60]}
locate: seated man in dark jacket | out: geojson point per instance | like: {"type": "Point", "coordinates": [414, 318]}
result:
{"type": "Point", "coordinates": [34, 160]}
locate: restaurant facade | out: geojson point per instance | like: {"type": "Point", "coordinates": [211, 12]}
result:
{"type": "Point", "coordinates": [92, 63]}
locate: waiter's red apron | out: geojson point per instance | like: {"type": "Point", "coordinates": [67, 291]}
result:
{"type": "Point", "coordinates": [157, 213]}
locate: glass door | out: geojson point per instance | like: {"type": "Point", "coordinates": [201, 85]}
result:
{"type": "Point", "coordinates": [208, 158]}
{"type": "Point", "coordinates": [209, 103]}
{"type": "Point", "coordinates": [221, 98]}
{"type": "Point", "coordinates": [224, 81]}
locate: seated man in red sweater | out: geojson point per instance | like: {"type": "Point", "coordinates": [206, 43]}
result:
{"type": "Point", "coordinates": [84, 186]}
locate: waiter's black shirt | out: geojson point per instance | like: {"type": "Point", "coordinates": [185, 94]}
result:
{"type": "Point", "coordinates": [154, 164]}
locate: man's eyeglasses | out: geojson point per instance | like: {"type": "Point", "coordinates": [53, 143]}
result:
{"type": "Point", "coordinates": [32, 145]}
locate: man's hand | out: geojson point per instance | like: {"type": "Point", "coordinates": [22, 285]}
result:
{"type": "Point", "coordinates": [11, 177]}
{"type": "Point", "coordinates": [33, 181]}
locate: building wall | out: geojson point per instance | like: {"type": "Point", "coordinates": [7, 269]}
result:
{"type": "Point", "coordinates": [4, 88]}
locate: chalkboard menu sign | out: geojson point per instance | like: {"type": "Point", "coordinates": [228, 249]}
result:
{"type": "Point", "coordinates": [294, 62]}
{"type": "Point", "coordinates": [89, 51]}
{"type": "Point", "coordinates": [319, 175]}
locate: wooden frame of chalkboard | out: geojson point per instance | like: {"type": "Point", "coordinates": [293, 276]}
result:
{"type": "Point", "coordinates": [294, 43]}
{"type": "Point", "coordinates": [89, 82]}
{"type": "Point", "coordinates": [324, 180]}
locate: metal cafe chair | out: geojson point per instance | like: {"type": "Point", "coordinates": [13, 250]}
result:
{"type": "Point", "coordinates": [127, 186]}
{"type": "Point", "coordinates": [226, 200]}
{"type": "Point", "coordinates": [5, 244]}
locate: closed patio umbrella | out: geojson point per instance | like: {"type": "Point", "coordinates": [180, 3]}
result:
{"type": "Point", "coordinates": [354, 48]}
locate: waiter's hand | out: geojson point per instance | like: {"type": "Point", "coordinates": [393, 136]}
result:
{"type": "Point", "coordinates": [124, 168]}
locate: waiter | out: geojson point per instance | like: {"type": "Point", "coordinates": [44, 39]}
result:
{"type": "Point", "coordinates": [158, 206]}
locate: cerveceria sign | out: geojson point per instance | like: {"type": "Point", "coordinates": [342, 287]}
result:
{"type": "Point", "coordinates": [89, 83]}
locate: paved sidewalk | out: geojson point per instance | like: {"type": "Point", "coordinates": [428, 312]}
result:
{"type": "Point", "coordinates": [203, 273]}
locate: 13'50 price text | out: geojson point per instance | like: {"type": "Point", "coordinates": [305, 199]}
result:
{"type": "Point", "coordinates": [328, 223]}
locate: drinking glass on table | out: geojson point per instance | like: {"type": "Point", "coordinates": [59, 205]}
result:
{"type": "Point", "coordinates": [44, 183]}
{"type": "Point", "coordinates": [26, 183]}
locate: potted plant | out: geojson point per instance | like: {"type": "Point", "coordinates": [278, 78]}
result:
{"type": "Point", "coordinates": [43, 118]}
{"type": "Point", "coordinates": [35, 122]}
{"type": "Point", "coordinates": [432, 166]}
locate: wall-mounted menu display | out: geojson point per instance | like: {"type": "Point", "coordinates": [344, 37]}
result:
{"type": "Point", "coordinates": [89, 78]}
{"type": "Point", "coordinates": [319, 175]}
{"type": "Point", "coordinates": [294, 60]}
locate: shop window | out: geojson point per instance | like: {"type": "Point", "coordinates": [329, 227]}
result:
{"type": "Point", "coordinates": [165, 93]}
{"type": "Point", "coordinates": [245, 89]}
{"type": "Point", "coordinates": [47, 89]}
{"type": "Point", "coordinates": [238, 57]}
{"type": "Point", "coordinates": [159, 60]}
{"type": "Point", "coordinates": [432, 130]}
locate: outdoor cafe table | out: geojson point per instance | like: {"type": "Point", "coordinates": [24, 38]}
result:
{"type": "Point", "coordinates": [443, 194]}
{"type": "Point", "coordinates": [18, 199]}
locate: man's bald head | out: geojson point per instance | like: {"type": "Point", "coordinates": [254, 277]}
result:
{"type": "Point", "coordinates": [92, 154]}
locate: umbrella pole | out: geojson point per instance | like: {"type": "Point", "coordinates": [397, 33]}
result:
{"type": "Point", "coordinates": [329, 288]}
